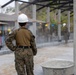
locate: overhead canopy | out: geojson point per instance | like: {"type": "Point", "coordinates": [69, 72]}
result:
{"type": "Point", "coordinates": [56, 4]}
{"type": "Point", "coordinates": [65, 5]}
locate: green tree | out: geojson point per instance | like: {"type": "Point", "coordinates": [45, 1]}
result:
{"type": "Point", "coordinates": [10, 9]}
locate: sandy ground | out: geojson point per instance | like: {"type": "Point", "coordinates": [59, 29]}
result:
{"type": "Point", "coordinates": [64, 52]}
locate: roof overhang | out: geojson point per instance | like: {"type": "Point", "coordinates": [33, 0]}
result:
{"type": "Point", "coordinates": [3, 23]}
{"type": "Point", "coordinates": [5, 17]}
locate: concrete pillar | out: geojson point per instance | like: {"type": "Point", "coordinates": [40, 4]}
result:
{"type": "Point", "coordinates": [0, 9]}
{"type": "Point", "coordinates": [34, 18]}
{"type": "Point", "coordinates": [74, 37]}
{"type": "Point", "coordinates": [48, 16]}
{"type": "Point", "coordinates": [59, 25]}
{"type": "Point", "coordinates": [68, 21]}
{"type": "Point", "coordinates": [16, 13]}
{"type": "Point", "coordinates": [2, 35]}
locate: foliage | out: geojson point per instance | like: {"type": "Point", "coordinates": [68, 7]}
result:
{"type": "Point", "coordinates": [64, 18]}
{"type": "Point", "coordinates": [71, 28]}
{"type": "Point", "coordinates": [41, 15]}
{"type": "Point", "coordinates": [10, 9]}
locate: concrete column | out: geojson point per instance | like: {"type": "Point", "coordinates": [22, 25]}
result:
{"type": "Point", "coordinates": [68, 21]}
{"type": "Point", "coordinates": [34, 18]}
{"type": "Point", "coordinates": [59, 25]}
{"type": "Point", "coordinates": [48, 16]}
{"type": "Point", "coordinates": [16, 13]}
{"type": "Point", "coordinates": [2, 35]}
{"type": "Point", "coordinates": [0, 9]}
{"type": "Point", "coordinates": [74, 37]}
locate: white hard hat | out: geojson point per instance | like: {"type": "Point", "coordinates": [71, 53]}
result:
{"type": "Point", "coordinates": [64, 24]}
{"type": "Point", "coordinates": [22, 18]}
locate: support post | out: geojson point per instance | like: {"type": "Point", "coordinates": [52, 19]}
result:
{"type": "Point", "coordinates": [68, 21]}
{"type": "Point", "coordinates": [48, 16]}
{"type": "Point", "coordinates": [0, 9]}
{"type": "Point", "coordinates": [16, 14]}
{"type": "Point", "coordinates": [74, 37]}
{"type": "Point", "coordinates": [34, 18]}
{"type": "Point", "coordinates": [2, 35]}
{"type": "Point", "coordinates": [59, 25]}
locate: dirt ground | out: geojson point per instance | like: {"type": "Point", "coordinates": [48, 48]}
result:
{"type": "Point", "coordinates": [63, 51]}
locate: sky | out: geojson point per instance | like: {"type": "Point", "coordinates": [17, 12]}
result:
{"type": "Point", "coordinates": [5, 1]}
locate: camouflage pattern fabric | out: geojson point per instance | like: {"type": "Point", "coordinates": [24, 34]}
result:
{"type": "Point", "coordinates": [66, 34]}
{"type": "Point", "coordinates": [33, 45]}
{"type": "Point", "coordinates": [23, 57]}
{"type": "Point", "coordinates": [9, 41]}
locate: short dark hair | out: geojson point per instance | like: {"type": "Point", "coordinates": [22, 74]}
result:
{"type": "Point", "coordinates": [22, 24]}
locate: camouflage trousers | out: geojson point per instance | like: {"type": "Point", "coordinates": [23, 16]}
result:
{"type": "Point", "coordinates": [24, 61]}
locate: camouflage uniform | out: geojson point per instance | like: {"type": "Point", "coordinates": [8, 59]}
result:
{"type": "Point", "coordinates": [66, 34]}
{"type": "Point", "coordinates": [23, 56]}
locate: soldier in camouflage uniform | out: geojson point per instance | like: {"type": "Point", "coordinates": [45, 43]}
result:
{"type": "Point", "coordinates": [25, 47]}
{"type": "Point", "coordinates": [66, 34]}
